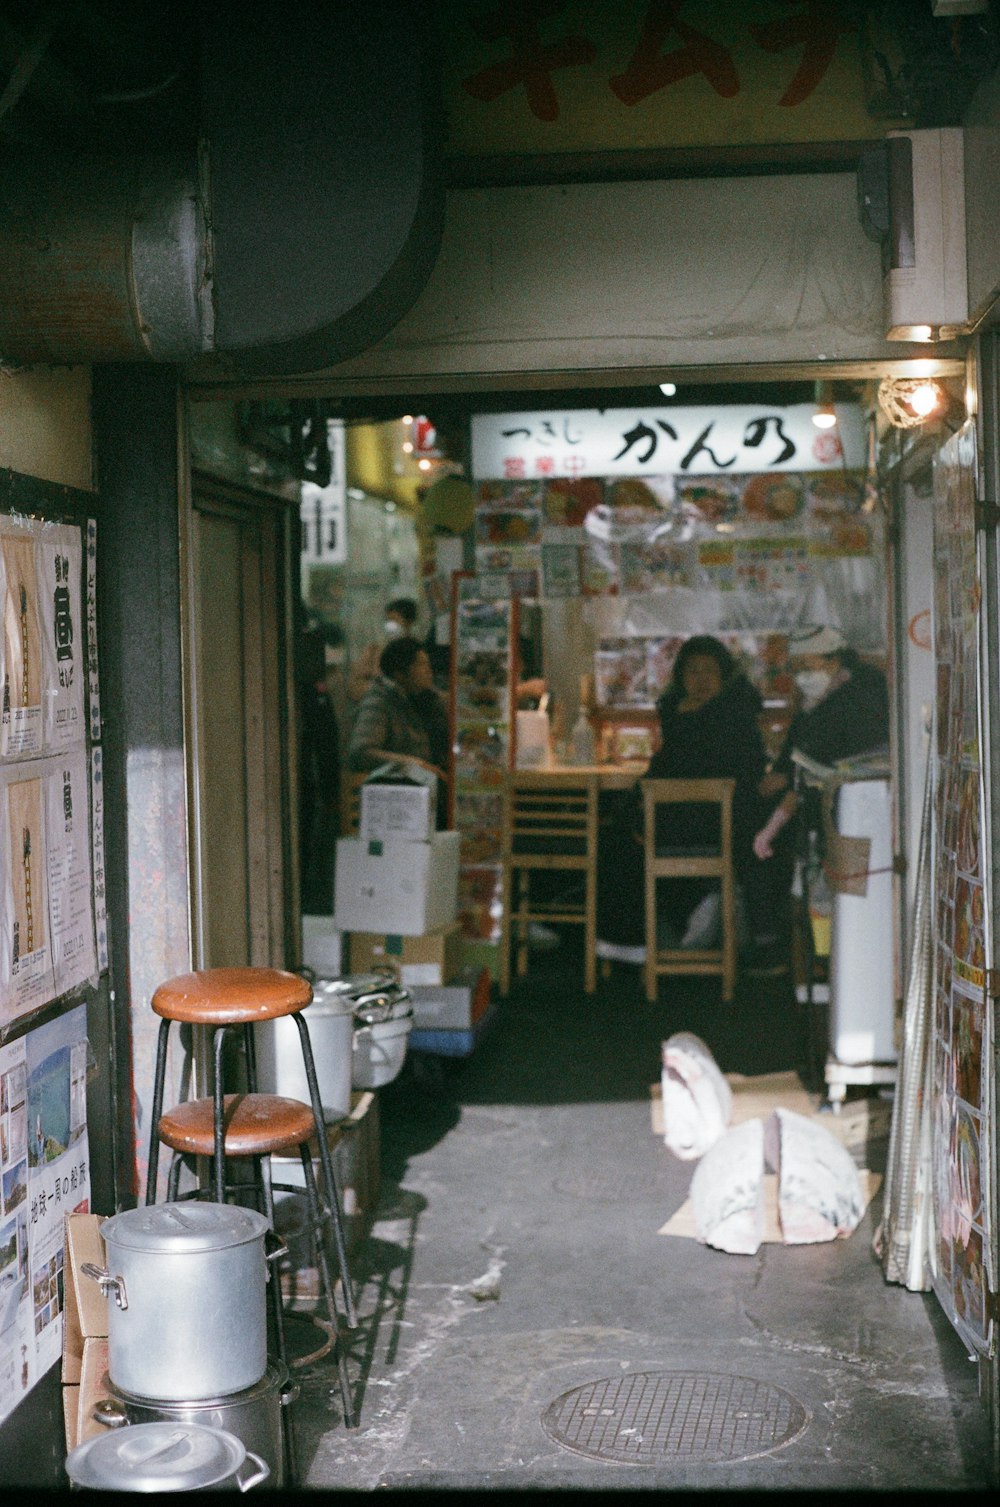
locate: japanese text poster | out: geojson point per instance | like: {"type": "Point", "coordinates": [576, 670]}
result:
{"type": "Point", "coordinates": [45, 1168]}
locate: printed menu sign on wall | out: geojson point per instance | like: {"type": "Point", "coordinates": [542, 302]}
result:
{"type": "Point", "coordinates": [41, 657]}
{"type": "Point", "coordinates": [47, 945]}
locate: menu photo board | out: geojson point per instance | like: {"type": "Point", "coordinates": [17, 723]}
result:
{"type": "Point", "coordinates": [484, 663]}
{"type": "Point", "coordinates": [963, 1045]}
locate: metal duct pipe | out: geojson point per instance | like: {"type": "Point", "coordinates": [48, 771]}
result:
{"type": "Point", "coordinates": [103, 259]}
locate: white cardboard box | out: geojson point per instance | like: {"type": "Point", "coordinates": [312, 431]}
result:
{"type": "Point", "coordinates": [406, 810]}
{"type": "Point", "coordinates": [406, 888]}
{"type": "Point", "coordinates": [322, 947]}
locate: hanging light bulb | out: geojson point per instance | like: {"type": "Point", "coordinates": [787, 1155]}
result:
{"type": "Point", "coordinates": [925, 399]}
{"type": "Point", "coordinates": [825, 416]}
{"type": "Point", "coordinates": [910, 401]}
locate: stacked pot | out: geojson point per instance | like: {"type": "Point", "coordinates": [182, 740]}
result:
{"type": "Point", "coordinates": [186, 1284]}
{"type": "Point", "coordinates": [359, 1027]}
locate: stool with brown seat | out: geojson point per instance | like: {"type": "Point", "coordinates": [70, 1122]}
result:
{"type": "Point", "coordinates": [251, 1125]}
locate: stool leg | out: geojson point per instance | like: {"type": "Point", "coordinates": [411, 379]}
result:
{"type": "Point", "coordinates": [174, 1177]}
{"type": "Point", "coordinates": [263, 1170]}
{"type": "Point", "coordinates": [323, 1267]}
{"type": "Point", "coordinates": [218, 1117]}
{"type": "Point", "coordinates": [159, 1073]}
{"type": "Point", "coordinates": [333, 1196]}
{"type": "Point", "coordinates": [250, 1053]}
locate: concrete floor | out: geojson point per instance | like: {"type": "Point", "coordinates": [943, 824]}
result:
{"type": "Point", "coordinates": [515, 1256]}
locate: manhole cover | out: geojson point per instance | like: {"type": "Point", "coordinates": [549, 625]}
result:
{"type": "Point", "coordinates": [651, 1417]}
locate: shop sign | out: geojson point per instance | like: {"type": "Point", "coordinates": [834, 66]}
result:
{"type": "Point", "coordinates": [528, 76]}
{"type": "Point", "coordinates": [322, 509]}
{"type": "Point", "coordinates": [663, 441]}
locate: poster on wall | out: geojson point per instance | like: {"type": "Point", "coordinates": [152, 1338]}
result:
{"type": "Point", "coordinates": [47, 944]}
{"type": "Point", "coordinates": [483, 635]}
{"type": "Point", "coordinates": [41, 646]}
{"type": "Point", "coordinates": [44, 1175]}
{"type": "Point", "coordinates": [963, 1024]}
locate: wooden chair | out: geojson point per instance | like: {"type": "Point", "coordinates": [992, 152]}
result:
{"type": "Point", "coordinates": [550, 827]}
{"type": "Point", "coordinates": [664, 862]}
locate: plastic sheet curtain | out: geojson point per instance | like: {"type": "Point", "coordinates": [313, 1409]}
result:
{"type": "Point", "coordinates": [904, 1239]}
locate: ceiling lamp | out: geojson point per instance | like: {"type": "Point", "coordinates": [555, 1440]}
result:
{"type": "Point", "coordinates": [825, 416]}
{"type": "Point", "coordinates": [908, 402]}
{"type": "Point", "coordinates": [668, 389]}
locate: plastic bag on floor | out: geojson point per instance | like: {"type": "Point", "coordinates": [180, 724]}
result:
{"type": "Point", "coordinates": [819, 1191]}
{"type": "Point", "coordinates": [727, 1191]}
{"type": "Point", "coordinates": [697, 1100]}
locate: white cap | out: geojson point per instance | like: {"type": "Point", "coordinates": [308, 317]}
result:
{"type": "Point", "coordinates": [818, 639]}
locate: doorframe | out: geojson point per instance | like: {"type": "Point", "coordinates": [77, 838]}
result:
{"type": "Point", "coordinates": [202, 491]}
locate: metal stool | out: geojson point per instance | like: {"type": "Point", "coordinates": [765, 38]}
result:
{"type": "Point", "coordinates": [251, 1126]}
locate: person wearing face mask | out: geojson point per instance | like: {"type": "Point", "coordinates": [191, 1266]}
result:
{"type": "Point", "coordinates": [400, 622]}
{"type": "Point", "coordinates": [844, 712]}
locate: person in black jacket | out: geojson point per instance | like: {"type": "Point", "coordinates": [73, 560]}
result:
{"type": "Point", "coordinates": [844, 712]}
{"type": "Point", "coordinates": [709, 729]}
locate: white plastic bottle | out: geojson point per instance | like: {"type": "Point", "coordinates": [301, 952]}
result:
{"type": "Point", "coordinates": [584, 749]}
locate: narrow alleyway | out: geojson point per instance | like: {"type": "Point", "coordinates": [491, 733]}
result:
{"type": "Point", "coordinates": [516, 1257]}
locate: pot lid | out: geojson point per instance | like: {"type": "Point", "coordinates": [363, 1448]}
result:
{"type": "Point", "coordinates": [329, 998]}
{"type": "Point", "coordinates": [156, 1457]}
{"type": "Point", "coordinates": [353, 984]}
{"type": "Point", "coordinates": [187, 1226]}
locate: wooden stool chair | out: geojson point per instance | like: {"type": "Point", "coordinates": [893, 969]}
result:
{"type": "Point", "coordinates": [252, 1125]}
{"type": "Point", "coordinates": [550, 826]}
{"type": "Point", "coordinates": [668, 862]}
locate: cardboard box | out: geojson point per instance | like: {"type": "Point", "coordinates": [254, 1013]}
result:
{"type": "Point", "coordinates": [452, 1007]}
{"type": "Point", "coordinates": [394, 806]}
{"type": "Point", "coordinates": [406, 888]}
{"type": "Point", "coordinates": [85, 1331]}
{"type": "Point", "coordinates": [322, 947]}
{"type": "Point", "coordinates": [434, 958]}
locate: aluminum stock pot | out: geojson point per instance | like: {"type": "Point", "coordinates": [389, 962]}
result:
{"type": "Point", "coordinates": [186, 1285]}
{"type": "Point", "coordinates": [254, 1415]}
{"type": "Point", "coordinates": [383, 1020]}
{"type": "Point", "coordinates": [165, 1457]}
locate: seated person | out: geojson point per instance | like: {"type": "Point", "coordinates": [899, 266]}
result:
{"type": "Point", "coordinates": [390, 726]}
{"type": "Point", "coordinates": [709, 729]}
{"type": "Point", "coordinates": [844, 712]}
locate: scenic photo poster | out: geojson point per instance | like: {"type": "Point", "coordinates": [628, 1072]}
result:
{"type": "Point", "coordinates": [44, 1175]}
